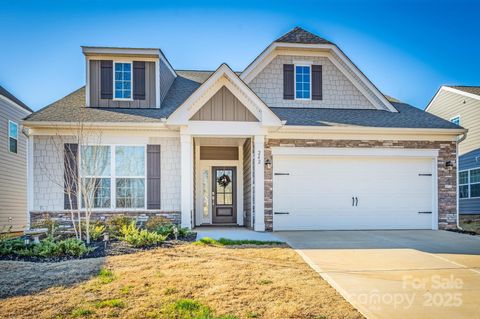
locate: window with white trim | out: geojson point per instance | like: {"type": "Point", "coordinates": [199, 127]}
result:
{"type": "Point", "coordinates": [303, 82]}
{"type": "Point", "coordinates": [12, 137]}
{"type": "Point", "coordinates": [123, 80]}
{"type": "Point", "coordinates": [130, 176]}
{"type": "Point", "coordinates": [113, 176]}
{"type": "Point", "coordinates": [455, 120]}
{"type": "Point", "coordinates": [475, 182]}
{"type": "Point", "coordinates": [95, 173]}
{"type": "Point", "coordinates": [469, 183]}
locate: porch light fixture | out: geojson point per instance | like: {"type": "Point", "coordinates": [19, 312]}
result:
{"type": "Point", "coordinates": [449, 164]}
{"type": "Point", "coordinates": [268, 163]}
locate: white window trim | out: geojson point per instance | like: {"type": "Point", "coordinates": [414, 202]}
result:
{"type": "Point", "coordinates": [455, 117]}
{"type": "Point", "coordinates": [113, 180]}
{"type": "Point", "coordinates": [469, 184]}
{"type": "Point", "coordinates": [295, 81]}
{"type": "Point", "coordinates": [131, 81]}
{"type": "Point", "coordinates": [15, 138]}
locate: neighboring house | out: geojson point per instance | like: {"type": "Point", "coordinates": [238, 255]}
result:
{"type": "Point", "coordinates": [300, 139]}
{"type": "Point", "coordinates": [461, 105]}
{"type": "Point", "coordinates": [13, 163]}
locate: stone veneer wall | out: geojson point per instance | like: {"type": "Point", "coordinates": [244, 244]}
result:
{"type": "Point", "coordinates": [338, 91]}
{"type": "Point", "coordinates": [447, 209]}
{"type": "Point", "coordinates": [64, 218]}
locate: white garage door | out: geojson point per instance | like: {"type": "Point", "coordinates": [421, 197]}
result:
{"type": "Point", "coordinates": [346, 192]}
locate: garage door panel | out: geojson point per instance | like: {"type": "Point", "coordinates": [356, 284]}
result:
{"type": "Point", "coordinates": [317, 192]}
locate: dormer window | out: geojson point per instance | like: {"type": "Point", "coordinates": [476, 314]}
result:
{"type": "Point", "coordinates": [303, 82]}
{"type": "Point", "coordinates": [123, 81]}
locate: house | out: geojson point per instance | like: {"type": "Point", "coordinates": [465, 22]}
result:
{"type": "Point", "coordinates": [461, 105]}
{"type": "Point", "coordinates": [13, 163]}
{"type": "Point", "coordinates": [300, 139]}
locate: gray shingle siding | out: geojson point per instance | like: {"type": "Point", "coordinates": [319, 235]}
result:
{"type": "Point", "coordinates": [166, 79]}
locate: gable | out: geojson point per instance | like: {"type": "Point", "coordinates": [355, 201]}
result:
{"type": "Point", "coordinates": [338, 90]}
{"type": "Point", "coordinates": [224, 106]}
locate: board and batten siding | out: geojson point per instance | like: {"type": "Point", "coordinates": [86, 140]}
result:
{"type": "Point", "coordinates": [13, 171]}
{"type": "Point", "coordinates": [224, 106]}
{"type": "Point", "coordinates": [247, 183]}
{"type": "Point", "coordinates": [95, 89]}
{"type": "Point", "coordinates": [450, 104]}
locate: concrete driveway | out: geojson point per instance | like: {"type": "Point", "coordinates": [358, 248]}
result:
{"type": "Point", "coordinates": [397, 274]}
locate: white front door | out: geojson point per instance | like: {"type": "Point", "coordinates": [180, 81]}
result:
{"type": "Point", "coordinates": [352, 192]}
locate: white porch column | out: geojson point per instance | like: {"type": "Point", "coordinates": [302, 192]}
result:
{"type": "Point", "coordinates": [187, 180]}
{"type": "Point", "coordinates": [259, 183]}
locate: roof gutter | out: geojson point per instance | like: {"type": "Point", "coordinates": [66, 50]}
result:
{"type": "Point", "coordinates": [120, 125]}
{"type": "Point", "coordinates": [361, 129]}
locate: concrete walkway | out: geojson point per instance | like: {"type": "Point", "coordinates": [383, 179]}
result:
{"type": "Point", "coordinates": [397, 274]}
{"type": "Point", "coordinates": [235, 233]}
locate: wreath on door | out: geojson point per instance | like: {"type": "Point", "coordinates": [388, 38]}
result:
{"type": "Point", "coordinates": [224, 180]}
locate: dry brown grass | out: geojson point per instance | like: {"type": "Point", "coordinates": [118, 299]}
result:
{"type": "Point", "coordinates": [263, 282]}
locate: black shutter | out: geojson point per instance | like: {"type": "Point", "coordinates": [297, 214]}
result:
{"type": "Point", "coordinates": [316, 82]}
{"type": "Point", "coordinates": [70, 175]}
{"type": "Point", "coordinates": [106, 79]}
{"type": "Point", "coordinates": [153, 176]}
{"type": "Point", "coordinates": [138, 80]}
{"type": "Point", "coordinates": [288, 84]}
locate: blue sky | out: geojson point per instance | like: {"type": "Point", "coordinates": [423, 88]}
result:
{"type": "Point", "coordinates": [407, 48]}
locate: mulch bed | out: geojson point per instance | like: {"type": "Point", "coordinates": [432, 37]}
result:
{"type": "Point", "coordinates": [102, 249]}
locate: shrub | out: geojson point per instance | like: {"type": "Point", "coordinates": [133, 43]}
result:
{"type": "Point", "coordinates": [48, 223]}
{"type": "Point", "coordinates": [96, 229]}
{"type": "Point", "coordinates": [156, 221]}
{"type": "Point", "coordinates": [140, 238]}
{"type": "Point", "coordinates": [115, 224]}
{"type": "Point", "coordinates": [46, 248]}
{"type": "Point", "coordinates": [169, 229]}
{"type": "Point", "coordinates": [11, 246]}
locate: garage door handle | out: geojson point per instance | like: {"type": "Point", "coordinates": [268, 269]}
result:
{"type": "Point", "coordinates": [281, 213]}
{"type": "Point", "coordinates": [353, 201]}
{"type": "Point", "coordinates": [356, 201]}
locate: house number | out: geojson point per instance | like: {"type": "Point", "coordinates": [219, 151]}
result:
{"type": "Point", "coordinates": [259, 157]}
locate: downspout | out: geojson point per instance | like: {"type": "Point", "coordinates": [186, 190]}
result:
{"type": "Point", "coordinates": [461, 139]}
{"type": "Point", "coordinates": [29, 150]}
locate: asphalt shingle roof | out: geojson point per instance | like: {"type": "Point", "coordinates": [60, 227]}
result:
{"type": "Point", "coordinates": [11, 97]}
{"type": "Point", "coordinates": [299, 35]}
{"type": "Point", "coordinates": [469, 89]}
{"type": "Point", "coordinates": [72, 109]}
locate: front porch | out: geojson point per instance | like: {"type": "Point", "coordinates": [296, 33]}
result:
{"type": "Point", "coordinates": [221, 191]}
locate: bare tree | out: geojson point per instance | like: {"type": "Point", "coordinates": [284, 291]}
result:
{"type": "Point", "coordinates": [79, 149]}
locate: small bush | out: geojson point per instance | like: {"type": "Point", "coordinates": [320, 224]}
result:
{"type": "Point", "coordinates": [156, 221]}
{"type": "Point", "coordinates": [46, 248]}
{"type": "Point", "coordinates": [11, 246]}
{"type": "Point", "coordinates": [169, 230]}
{"type": "Point", "coordinates": [115, 224]}
{"type": "Point", "coordinates": [140, 238]}
{"type": "Point", "coordinates": [96, 230]}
